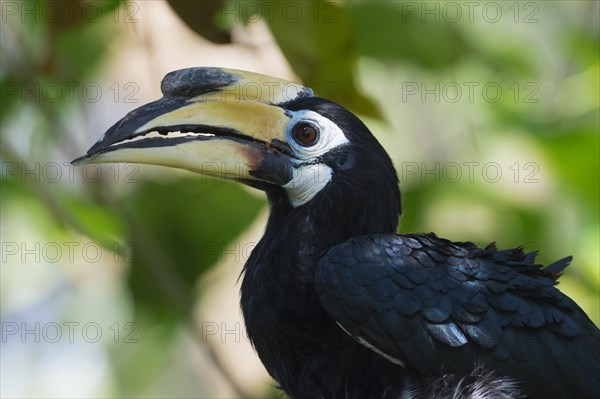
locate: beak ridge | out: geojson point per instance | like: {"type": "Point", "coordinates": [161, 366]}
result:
{"type": "Point", "coordinates": [215, 114]}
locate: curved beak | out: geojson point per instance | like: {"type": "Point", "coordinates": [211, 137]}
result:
{"type": "Point", "coordinates": [217, 122]}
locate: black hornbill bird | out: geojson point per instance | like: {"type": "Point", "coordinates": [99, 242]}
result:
{"type": "Point", "coordinates": [336, 304]}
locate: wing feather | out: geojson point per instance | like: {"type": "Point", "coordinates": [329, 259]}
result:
{"type": "Point", "coordinates": [436, 306]}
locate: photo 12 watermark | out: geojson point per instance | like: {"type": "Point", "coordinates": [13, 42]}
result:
{"type": "Point", "coordinates": [492, 12]}
{"type": "Point", "coordinates": [250, 12]}
{"type": "Point", "coordinates": [70, 252]}
{"type": "Point", "coordinates": [69, 12]}
{"type": "Point", "coordinates": [69, 332]}
{"type": "Point", "coordinates": [469, 91]}
{"type": "Point", "coordinates": [237, 251]}
{"type": "Point", "coordinates": [71, 92]}
{"type": "Point", "coordinates": [469, 172]}
{"type": "Point", "coordinates": [64, 172]}
{"type": "Point", "coordinates": [223, 332]}
{"type": "Point", "coordinates": [66, 252]}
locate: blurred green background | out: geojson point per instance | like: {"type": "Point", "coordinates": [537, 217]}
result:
{"type": "Point", "coordinates": [120, 280]}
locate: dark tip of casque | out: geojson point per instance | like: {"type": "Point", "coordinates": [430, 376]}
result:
{"type": "Point", "coordinates": [192, 82]}
{"type": "Point", "coordinates": [80, 161]}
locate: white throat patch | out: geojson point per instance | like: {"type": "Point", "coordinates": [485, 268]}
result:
{"type": "Point", "coordinates": [311, 177]}
{"type": "Point", "coordinates": [308, 180]}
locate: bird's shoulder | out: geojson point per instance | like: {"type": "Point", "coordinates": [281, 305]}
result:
{"type": "Point", "coordinates": [444, 280]}
{"type": "Point", "coordinates": [428, 303]}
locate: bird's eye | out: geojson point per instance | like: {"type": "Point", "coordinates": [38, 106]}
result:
{"type": "Point", "coordinates": [305, 134]}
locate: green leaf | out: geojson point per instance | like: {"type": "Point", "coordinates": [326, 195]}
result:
{"type": "Point", "coordinates": [101, 223]}
{"type": "Point", "coordinates": [178, 231]}
{"type": "Point", "coordinates": [319, 42]}
{"type": "Point", "coordinates": [388, 31]}
{"type": "Point", "coordinates": [203, 17]}
{"type": "Point", "coordinates": [574, 170]}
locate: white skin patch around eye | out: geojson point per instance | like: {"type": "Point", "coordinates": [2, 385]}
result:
{"type": "Point", "coordinates": [330, 135]}
{"type": "Point", "coordinates": [310, 178]}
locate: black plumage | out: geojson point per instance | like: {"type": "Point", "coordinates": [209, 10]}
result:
{"type": "Point", "coordinates": [440, 308]}
{"type": "Point", "coordinates": [336, 304]}
{"type": "Point", "coordinates": [466, 305]}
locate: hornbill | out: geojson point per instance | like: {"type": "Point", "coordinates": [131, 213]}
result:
{"type": "Point", "coordinates": [336, 304]}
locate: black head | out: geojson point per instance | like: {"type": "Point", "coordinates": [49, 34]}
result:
{"type": "Point", "coordinates": [310, 155]}
{"type": "Point", "coordinates": [344, 174]}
